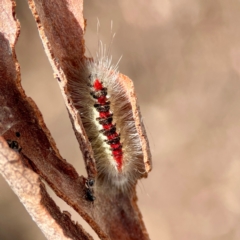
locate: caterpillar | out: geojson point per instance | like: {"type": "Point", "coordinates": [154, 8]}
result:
{"type": "Point", "coordinates": [107, 117]}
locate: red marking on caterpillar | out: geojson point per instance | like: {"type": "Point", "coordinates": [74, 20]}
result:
{"type": "Point", "coordinates": [107, 117]}
{"type": "Point", "coordinates": [105, 120]}
{"type": "Point", "coordinates": [97, 85]}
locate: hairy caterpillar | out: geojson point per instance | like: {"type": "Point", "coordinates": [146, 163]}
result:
{"type": "Point", "coordinates": [106, 113]}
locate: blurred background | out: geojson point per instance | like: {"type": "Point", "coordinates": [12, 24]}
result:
{"type": "Point", "coordinates": [184, 59]}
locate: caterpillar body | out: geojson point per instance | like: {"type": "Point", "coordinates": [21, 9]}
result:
{"type": "Point", "coordinates": [107, 117]}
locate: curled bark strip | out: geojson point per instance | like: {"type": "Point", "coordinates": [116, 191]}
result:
{"type": "Point", "coordinates": [32, 193]}
{"type": "Point", "coordinates": [61, 28]}
{"type": "Point", "coordinates": [128, 85]}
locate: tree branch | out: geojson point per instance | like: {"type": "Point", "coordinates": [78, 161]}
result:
{"type": "Point", "coordinates": [61, 27]}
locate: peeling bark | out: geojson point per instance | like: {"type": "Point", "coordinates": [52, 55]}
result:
{"type": "Point", "coordinates": [33, 195]}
